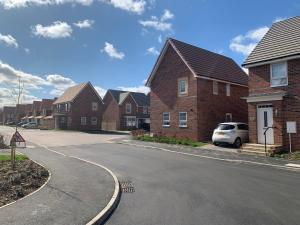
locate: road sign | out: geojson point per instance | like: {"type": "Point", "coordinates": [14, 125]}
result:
{"type": "Point", "coordinates": [17, 139]}
{"type": "Point", "coordinates": [291, 128]}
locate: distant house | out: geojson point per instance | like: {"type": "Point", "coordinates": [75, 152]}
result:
{"type": "Point", "coordinates": [193, 90]}
{"type": "Point", "coordinates": [20, 112]}
{"type": "Point", "coordinates": [125, 110]}
{"type": "Point", "coordinates": [274, 85]}
{"type": "Point", "coordinates": [47, 120]}
{"type": "Point", "coordinates": [79, 108]}
{"type": "Point", "coordinates": [36, 112]}
{"type": "Point", "coordinates": [28, 114]}
{"type": "Point", "coordinates": [9, 114]}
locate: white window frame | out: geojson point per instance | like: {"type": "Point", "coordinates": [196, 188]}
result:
{"type": "Point", "coordinates": [130, 121]}
{"type": "Point", "coordinates": [145, 110]}
{"type": "Point", "coordinates": [286, 75]}
{"type": "Point", "coordinates": [228, 115]}
{"type": "Point", "coordinates": [182, 123]}
{"type": "Point", "coordinates": [166, 123]}
{"type": "Point", "coordinates": [83, 120]}
{"type": "Point", "coordinates": [94, 106]}
{"type": "Point", "coordinates": [228, 90]}
{"type": "Point", "coordinates": [128, 106]}
{"type": "Point", "coordinates": [94, 120]}
{"type": "Point", "coordinates": [185, 92]}
{"type": "Point", "coordinates": [215, 87]}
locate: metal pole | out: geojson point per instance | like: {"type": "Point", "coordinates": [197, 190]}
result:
{"type": "Point", "coordinates": [290, 139]}
{"type": "Point", "coordinates": [266, 142]}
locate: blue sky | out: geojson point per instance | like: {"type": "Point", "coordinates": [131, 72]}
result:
{"type": "Point", "coordinates": [53, 44]}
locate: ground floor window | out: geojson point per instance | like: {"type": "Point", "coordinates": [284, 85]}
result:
{"type": "Point", "coordinates": [130, 121]}
{"type": "Point", "coordinates": [62, 119]}
{"type": "Point", "coordinates": [166, 119]}
{"type": "Point", "coordinates": [83, 120]}
{"type": "Point", "coordinates": [183, 119]}
{"type": "Point", "coordinates": [228, 117]}
{"type": "Point", "coordinates": [94, 120]}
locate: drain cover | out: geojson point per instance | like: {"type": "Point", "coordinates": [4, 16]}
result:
{"type": "Point", "coordinates": [127, 187]}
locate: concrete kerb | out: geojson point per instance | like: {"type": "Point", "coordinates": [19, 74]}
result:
{"type": "Point", "coordinates": [287, 166]}
{"type": "Point", "coordinates": [104, 214]}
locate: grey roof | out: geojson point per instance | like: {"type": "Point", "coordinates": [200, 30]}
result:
{"type": "Point", "coordinates": [141, 99]}
{"type": "Point", "coordinates": [282, 40]}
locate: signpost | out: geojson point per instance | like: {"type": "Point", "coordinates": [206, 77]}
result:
{"type": "Point", "coordinates": [291, 128]}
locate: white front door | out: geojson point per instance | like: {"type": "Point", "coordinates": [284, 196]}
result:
{"type": "Point", "coordinates": [265, 120]}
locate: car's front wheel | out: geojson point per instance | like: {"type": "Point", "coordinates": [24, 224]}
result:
{"type": "Point", "coordinates": [238, 142]}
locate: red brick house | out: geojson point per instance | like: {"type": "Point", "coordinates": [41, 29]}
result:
{"type": "Point", "coordinates": [46, 118]}
{"type": "Point", "coordinates": [125, 110]}
{"type": "Point", "coordinates": [28, 113]}
{"type": "Point", "coordinates": [79, 108]}
{"type": "Point", "coordinates": [36, 112]}
{"type": "Point", "coordinates": [9, 114]}
{"type": "Point", "coordinates": [192, 90]}
{"type": "Point", "coordinates": [274, 91]}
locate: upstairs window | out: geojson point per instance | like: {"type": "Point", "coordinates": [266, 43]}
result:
{"type": "Point", "coordinates": [215, 88]}
{"type": "Point", "coordinates": [182, 86]}
{"type": "Point", "coordinates": [166, 119]}
{"type": "Point", "coordinates": [128, 108]}
{"type": "Point", "coordinates": [183, 119]}
{"type": "Point", "coordinates": [228, 117]}
{"type": "Point", "coordinates": [94, 106]}
{"type": "Point", "coordinates": [279, 74]}
{"type": "Point", "coordinates": [94, 120]}
{"type": "Point", "coordinates": [227, 89]}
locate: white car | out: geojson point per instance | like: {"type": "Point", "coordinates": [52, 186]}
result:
{"type": "Point", "coordinates": [231, 133]}
{"type": "Point", "coordinates": [30, 125]}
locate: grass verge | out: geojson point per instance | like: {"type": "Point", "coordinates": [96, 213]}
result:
{"type": "Point", "coordinates": [290, 156]}
{"type": "Point", "coordinates": [170, 140]}
{"type": "Point", "coordinates": [18, 157]}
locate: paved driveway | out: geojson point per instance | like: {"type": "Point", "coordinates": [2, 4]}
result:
{"type": "Point", "coordinates": [172, 188]}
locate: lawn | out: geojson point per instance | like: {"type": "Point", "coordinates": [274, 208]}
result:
{"type": "Point", "coordinates": [18, 157]}
{"type": "Point", "coordinates": [170, 140]}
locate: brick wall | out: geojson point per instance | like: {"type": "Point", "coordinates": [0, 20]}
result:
{"type": "Point", "coordinates": [213, 108]}
{"type": "Point", "coordinates": [82, 107]}
{"type": "Point", "coordinates": [164, 98]}
{"type": "Point", "coordinates": [286, 110]}
{"type": "Point", "coordinates": [111, 115]}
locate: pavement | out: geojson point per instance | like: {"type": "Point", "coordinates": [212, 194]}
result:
{"type": "Point", "coordinates": [193, 189]}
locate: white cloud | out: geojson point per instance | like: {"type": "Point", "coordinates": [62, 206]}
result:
{"type": "Point", "coordinates": [134, 6]}
{"type": "Point", "coordinates": [140, 88]}
{"type": "Point", "coordinates": [101, 91]}
{"type": "Point", "coordinates": [246, 43]}
{"type": "Point", "coordinates": [159, 39]}
{"type": "Point", "coordinates": [167, 15]}
{"type": "Point", "coordinates": [278, 19]}
{"type": "Point", "coordinates": [9, 77]}
{"type": "Point", "coordinates": [27, 50]}
{"type": "Point", "coordinates": [8, 40]}
{"type": "Point", "coordinates": [57, 30]}
{"type": "Point", "coordinates": [11, 4]}
{"type": "Point", "coordinates": [112, 52]}
{"type": "Point", "coordinates": [152, 51]}
{"type": "Point", "coordinates": [84, 23]}
{"type": "Point", "coordinates": [159, 24]}
{"type": "Point", "coordinates": [8, 98]}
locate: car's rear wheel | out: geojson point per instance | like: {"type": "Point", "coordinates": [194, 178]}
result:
{"type": "Point", "coordinates": [215, 143]}
{"type": "Point", "coordinates": [238, 143]}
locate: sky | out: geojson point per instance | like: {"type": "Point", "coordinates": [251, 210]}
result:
{"type": "Point", "coordinates": [54, 44]}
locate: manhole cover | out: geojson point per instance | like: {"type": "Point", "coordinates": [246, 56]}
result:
{"type": "Point", "coordinates": [127, 187]}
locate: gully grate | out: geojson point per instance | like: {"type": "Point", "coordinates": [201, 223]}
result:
{"type": "Point", "coordinates": [127, 187]}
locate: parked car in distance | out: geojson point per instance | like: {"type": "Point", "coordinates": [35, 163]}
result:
{"type": "Point", "coordinates": [231, 133]}
{"type": "Point", "coordinates": [21, 123]}
{"type": "Point", "coordinates": [11, 123]}
{"type": "Point", "coordinates": [30, 125]}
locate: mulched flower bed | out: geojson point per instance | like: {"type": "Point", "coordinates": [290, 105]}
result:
{"type": "Point", "coordinates": [26, 178]}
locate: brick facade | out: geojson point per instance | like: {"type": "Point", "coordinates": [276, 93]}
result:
{"type": "Point", "coordinates": [111, 114]}
{"type": "Point", "coordinates": [204, 109]}
{"type": "Point", "coordinates": [284, 110]}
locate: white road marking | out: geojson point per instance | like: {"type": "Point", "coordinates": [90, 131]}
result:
{"type": "Point", "coordinates": [293, 165]}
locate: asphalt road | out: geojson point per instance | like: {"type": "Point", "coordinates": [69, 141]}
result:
{"type": "Point", "coordinates": [174, 189]}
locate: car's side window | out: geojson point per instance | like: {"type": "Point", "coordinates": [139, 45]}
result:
{"type": "Point", "coordinates": [242, 127]}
